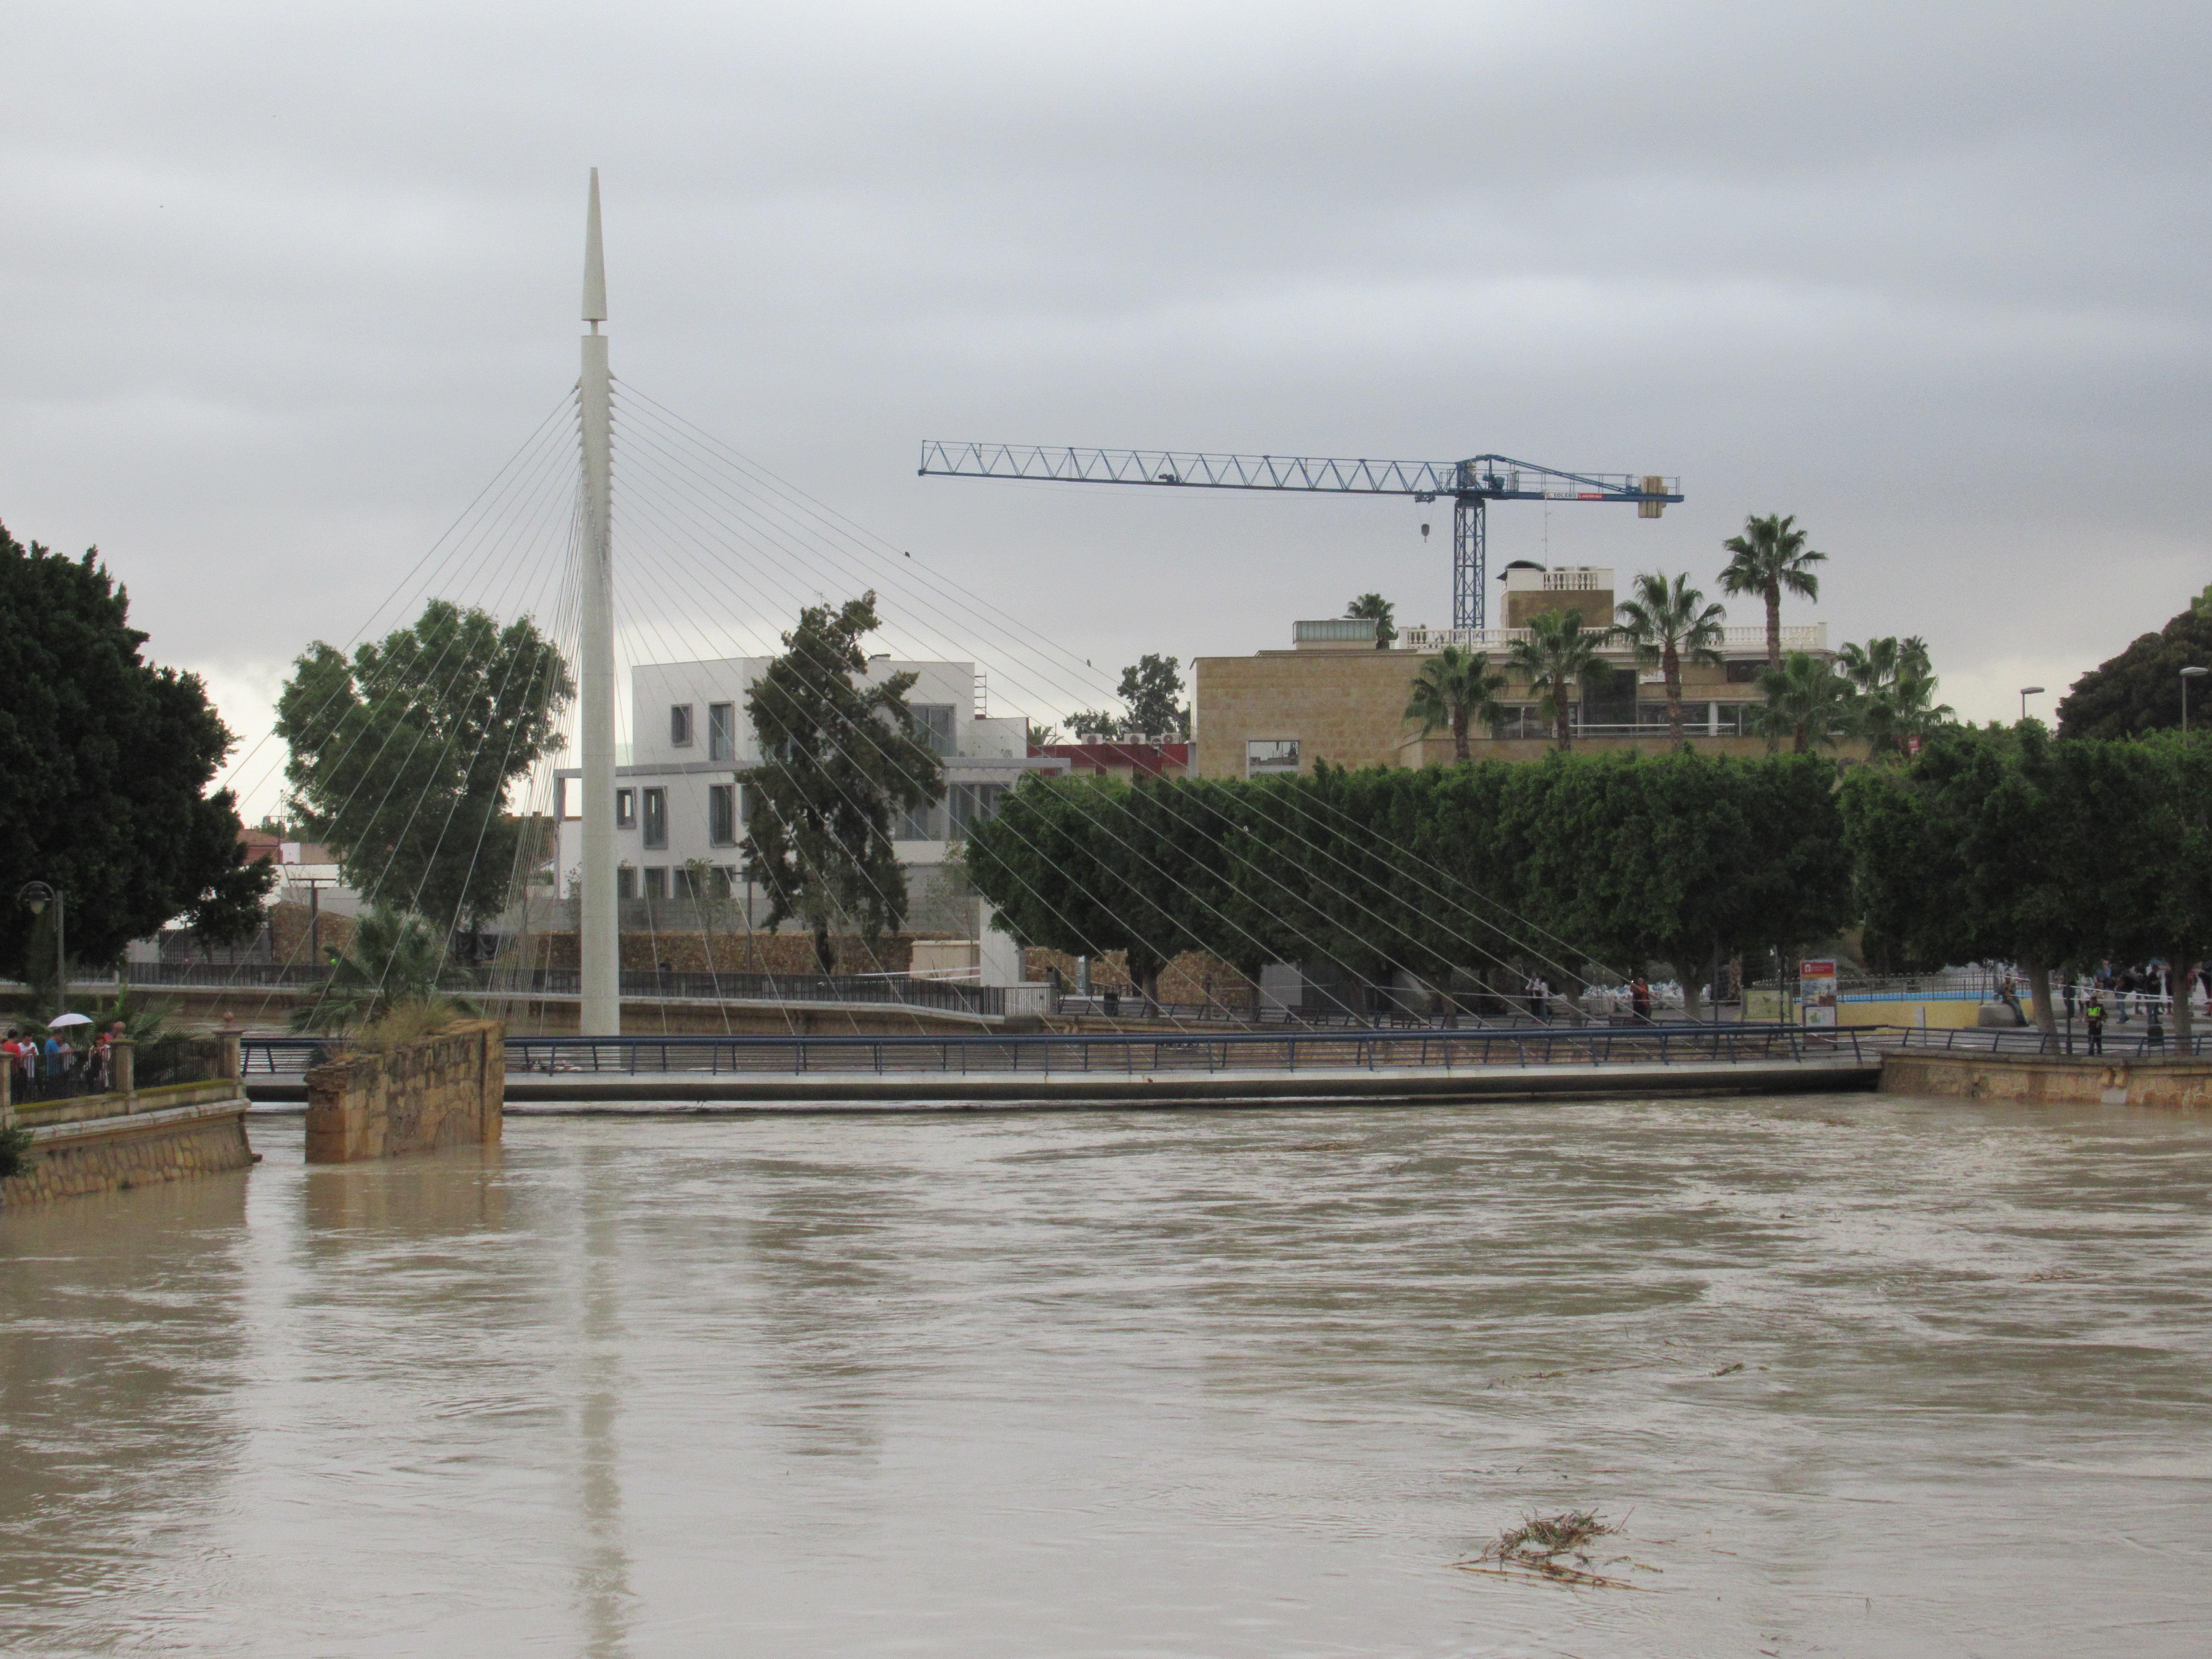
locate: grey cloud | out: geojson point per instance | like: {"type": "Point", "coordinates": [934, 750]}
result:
{"type": "Point", "coordinates": [285, 288]}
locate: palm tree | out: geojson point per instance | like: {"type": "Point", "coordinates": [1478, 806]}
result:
{"type": "Point", "coordinates": [1456, 688]}
{"type": "Point", "coordinates": [1770, 556]}
{"type": "Point", "coordinates": [1555, 657]}
{"type": "Point", "coordinates": [1809, 701]}
{"type": "Point", "coordinates": [1667, 621]}
{"type": "Point", "coordinates": [394, 959]}
{"type": "Point", "coordinates": [1385, 615]}
{"type": "Point", "coordinates": [1896, 685]}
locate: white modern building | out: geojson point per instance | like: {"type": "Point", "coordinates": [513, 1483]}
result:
{"type": "Point", "coordinates": [679, 809]}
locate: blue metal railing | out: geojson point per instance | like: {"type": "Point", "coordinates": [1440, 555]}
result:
{"type": "Point", "coordinates": [1135, 1053]}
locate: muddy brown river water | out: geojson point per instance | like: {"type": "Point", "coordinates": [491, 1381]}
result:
{"type": "Point", "coordinates": [1861, 1376]}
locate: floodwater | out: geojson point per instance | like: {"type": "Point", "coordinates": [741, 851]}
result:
{"type": "Point", "coordinates": [1861, 1376]}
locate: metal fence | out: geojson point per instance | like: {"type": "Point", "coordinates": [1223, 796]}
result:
{"type": "Point", "coordinates": [76, 1076]}
{"type": "Point", "coordinates": [176, 1060]}
{"type": "Point", "coordinates": [2131, 1042]}
{"type": "Point", "coordinates": [1133, 1053]}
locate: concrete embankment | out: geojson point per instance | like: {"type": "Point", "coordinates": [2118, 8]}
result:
{"type": "Point", "coordinates": [2057, 1080]}
{"type": "Point", "coordinates": [629, 1093]}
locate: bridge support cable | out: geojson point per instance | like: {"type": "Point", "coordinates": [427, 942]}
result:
{"type": "Point", "coordinates": [765, 504]}
{"type": "Point", "coordinates": [638, 470]}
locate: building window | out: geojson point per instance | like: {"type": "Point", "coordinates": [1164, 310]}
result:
{"type": "Point", "coordinates": [679, 726]}
{"type": "Point", "coordinates": [625, 809]}
{"type": "Point", "coordinates": [970, 803]}
{"type": "Point", "coordinates": [933, 724]}
{"type": "Point", "coordinates": [625, 883]}
{"type": "Point", "coordinates": [684, 883]}
{"type": "Point", "coordinates": [1746, 673]}
{"type": "Point", "coordinates": [572, 796]}
{"type": "Point", "coordinates": [722, 881]}
{"type": "Point", "coordinates": [722, 731]}
{"type": "Point", "coordinates": [656, 881]}
{"type": "Point", "coordinates": [722, 814]}
{"type": "Point", "coordinates": [1728, 719]}
{"type": "Point", "coordinates": [656, 817]}
{"type": "Point", "coordinates": [1270, 757]}
{"type": "Point", "coordinates": [921, 824]}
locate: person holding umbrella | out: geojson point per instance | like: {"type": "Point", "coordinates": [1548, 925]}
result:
{"type": "Point", "coordinates": [61, 1056]}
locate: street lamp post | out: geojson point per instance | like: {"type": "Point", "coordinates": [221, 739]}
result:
{"type": "Point", "coordinates": [2026, 692]}
{"type": "Point", "coordinates": [2187, 674]}
{"type": "Point", "coordinates": [37, 895]}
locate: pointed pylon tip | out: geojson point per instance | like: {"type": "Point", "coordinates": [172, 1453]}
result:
{"type": "Point", "coordinates": [595, 265]}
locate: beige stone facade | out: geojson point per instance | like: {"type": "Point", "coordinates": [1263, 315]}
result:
{"type": "Point", "coordinates": [1344, 702]}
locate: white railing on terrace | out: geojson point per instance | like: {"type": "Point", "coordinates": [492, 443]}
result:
{"type": "Point", "coordinates": [1807, 636]}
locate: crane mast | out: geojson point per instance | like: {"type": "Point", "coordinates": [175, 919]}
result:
{"type": "Point", "coordinates": [1471, 484]}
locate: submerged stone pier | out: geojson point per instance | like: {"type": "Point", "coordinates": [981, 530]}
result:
{"type": "Point", "coordinates": [445, 1090]}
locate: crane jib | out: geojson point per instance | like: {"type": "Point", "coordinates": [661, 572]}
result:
{"type": "Point", "coordinates": [1470, 484]}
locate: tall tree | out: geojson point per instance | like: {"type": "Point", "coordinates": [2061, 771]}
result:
{"type": "Point", "coordinates": [2141, 689]}
{"type": "Point", "coordinates": [1807, 701]}
{"type": "Point", "coordinates": [1151, 689]}
{"type": "Point", "coordinates": [1896, 687]}
{"type": "Point", "coordinates": [1456, 688]}
{"type": "Point", "coordinates": [841, 757]}
{"type": "Point", "coordinates": [107, 759]}
{"type": "Point", "coordinates": [1383, 613]}
{"type": "Point", "coordinates": [1770, 556]}
{"type": "Point", "coordinates": [1670, 623]}
{"type": "Point", "coordinates": [402, 755]}
{"type": "Point", "coordinates": [1978, 851]}
{"type": "Point", "coordinates": [1088, 866]}
{"type": "Point", "coordinates": [1556, 656]}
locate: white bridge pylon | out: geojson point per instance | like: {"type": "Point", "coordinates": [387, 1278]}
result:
{"type": "Point", "coordinates": [599, 929]}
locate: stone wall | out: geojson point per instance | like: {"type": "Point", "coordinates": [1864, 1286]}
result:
{"type": "Point", "coordinates": [1196, 977]}
{"type": "Point", "coordinates": [447, 1090]}
{"type": "Point", "coordinates": [733, 951]}
{"type": "Point", "coordinates": [154, 1135]}
{"type": "Point", "coordinates": [2059, 1081]}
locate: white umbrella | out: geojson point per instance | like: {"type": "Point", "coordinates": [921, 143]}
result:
{"type": "Point", "coordinates": [60, 1020]}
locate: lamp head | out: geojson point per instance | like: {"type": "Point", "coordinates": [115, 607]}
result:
{"type": "Point", "coordinates": [2030, 691]}
{"type": "Point", "coordinates": [2192, 673]}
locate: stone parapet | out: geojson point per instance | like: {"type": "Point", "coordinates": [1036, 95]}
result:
{"type": "Point", "coordinates": [444, 1091]}
{"type": "Point", "coordinates": [2033, 1080]}
{"type": "Point", "coordinates": [166, 1134]}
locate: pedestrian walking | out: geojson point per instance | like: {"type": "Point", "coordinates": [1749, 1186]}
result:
{"type": "Point", "coordinates": [1639, 1000]}
{"type": "Point", "coordinates": [1540, 998]}
{"type": "Point", "coordinates": [2067, 990]}
{"type": "Point", "coordinates": [2094, 1016]}
{"type": "Point", "coordinates": [2155, 1033]}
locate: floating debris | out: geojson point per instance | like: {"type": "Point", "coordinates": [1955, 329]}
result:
{"type": "Point", "coordinates": [1552, 1548]}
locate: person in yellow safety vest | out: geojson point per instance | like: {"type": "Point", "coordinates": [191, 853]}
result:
{"type": "Point", "coordinates": [2094, 1013]}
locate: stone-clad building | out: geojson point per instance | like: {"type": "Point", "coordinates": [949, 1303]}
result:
{"type": "Point", "coordinates": [1334, 697]}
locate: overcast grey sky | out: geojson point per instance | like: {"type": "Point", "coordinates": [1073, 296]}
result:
{"type": "Point", "coordinates": [286, 285]}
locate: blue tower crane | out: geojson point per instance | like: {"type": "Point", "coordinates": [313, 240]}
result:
{"type": "Point", "coordinates": [1471, 484]}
